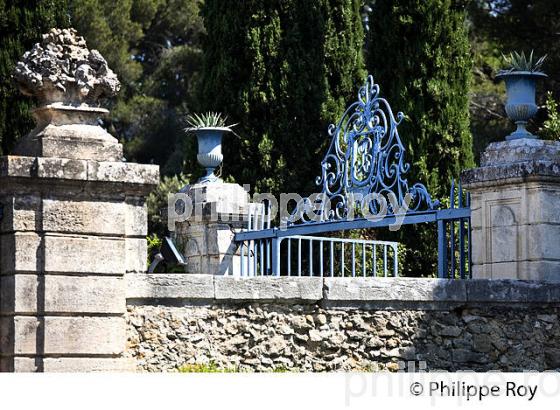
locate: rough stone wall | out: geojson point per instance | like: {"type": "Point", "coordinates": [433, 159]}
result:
{"type": "Point", "coordinates": [307, 337]}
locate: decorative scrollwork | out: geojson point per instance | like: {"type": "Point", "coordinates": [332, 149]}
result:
{"type": "Point", "coordinates": [365, 156]}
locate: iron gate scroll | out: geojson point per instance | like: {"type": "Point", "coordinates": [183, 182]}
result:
{"type": "Point", "coordinates": [363, 185]}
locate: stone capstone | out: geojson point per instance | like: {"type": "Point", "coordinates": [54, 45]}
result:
{"type": "Point", "coordinates": [62, 68]}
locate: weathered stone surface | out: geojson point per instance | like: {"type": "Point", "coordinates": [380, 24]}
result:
{"type": "Point", "coordinates": [84, 254]}
{"type": "Point", "coordinates": [394, 289]}
{"type": "Point", "coordinates": [103, 218]}
{"type": "Point", "coordinates": [19, 252]}
{"type": "Point", "coordinates": [61, 294]}
{"type": "Point", "coordinates": [305, 337]}
{"type": "Point", "coordinates": [136, 221]}
{"type": "Point", "coordinates": [61, 68]}
{"type": "Point", "coordinates": [520, 150]}
{"type": "Point", "coordinates": [136, 255]}
{"type": "Point", "coordinates": [65, 364]}
{"type": "Point", "coordinates": [268, 288]}
{"type": "Point", "coordinates": [24, 335]}
{"type": "Point", "coordinates": [169, 286]}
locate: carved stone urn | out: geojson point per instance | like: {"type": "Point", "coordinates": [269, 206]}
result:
{"type": "Point", "coordinates": [68, 80]}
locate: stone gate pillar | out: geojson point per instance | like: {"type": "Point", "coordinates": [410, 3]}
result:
{"type": "Point", "coordinates": [73, 219]}
{"type": "Point", "coordinates": [515, 201]}
{"type": "Point", "coordinates": [205, 238]}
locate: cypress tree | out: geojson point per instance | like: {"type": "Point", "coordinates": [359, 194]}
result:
{"type": "Point", "coordinates": [284, 70]}
{"type": "Point", "coordinates": [418, 51]}
{"type": "Point", "coordinates": [21, 25]}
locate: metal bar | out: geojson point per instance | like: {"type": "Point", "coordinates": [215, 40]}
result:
{"type": "Point", "coordinates": [289, 261]}
{"type": "Point", "coordinates": [442, 250]}
{"type": "Point", "coordinates": [261, 243]}
{"type": "Point", "coordinates": [462, 248]}
{"type": "Point", "coordinates": [342, 261]}
{"type": "Point", "coordinates": [374, 253]}
{"type": "Point", "coordinates": [452, 247]}
{"type": "Point", "coordinates": [353, 259]}
{"type": "Point", "coordinates": [359, 223]}
{"type": "Point", "coordinates": [268, 268]}
{"type": "Point", "coordinates": [395, 261]}
{"type": "Point", "coordinates": [364, 259]}
{"type": "Point", "coordinates": [385, 260]}
{"type": "Point", "coordinates": [332, 258]}
{"type": "Point", "coordinates": [321, 258]}
{"type": "Point", "coordinates": [276, 257]}
{"type": "Point", "coordinates": [469, 249]}
{"type": "Point", "coordinates": [299, 258]}
{"type": "Point", "coordinates": [242, 251]}
{"type": "Point", "coordinates": [311, 258]}
{"type": "Point", "coordinates": [255, 258]}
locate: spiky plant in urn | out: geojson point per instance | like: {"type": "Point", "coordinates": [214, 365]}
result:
{"type": "Point", "coordinates": [520, 78]}
{"type": "Point", "coordinates": [68, 81]}
{"type": "Point", "coordinates": [209, 129]}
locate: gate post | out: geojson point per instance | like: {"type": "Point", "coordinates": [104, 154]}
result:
{"type": "Point", "coordinates": [515, 202]}
{"type": "Point", "coordinates": [205, 238]}
{"type": "Point", "coordinates": [74, 219]}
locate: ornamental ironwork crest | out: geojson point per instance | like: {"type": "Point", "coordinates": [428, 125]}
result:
{"type": "Point", "coordinates": [364, 162]}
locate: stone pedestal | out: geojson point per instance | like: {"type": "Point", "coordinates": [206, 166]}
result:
{"type": "Point", "coordinates": [515, 201]}
{"type": "Point", "coordinates": [206, 238]}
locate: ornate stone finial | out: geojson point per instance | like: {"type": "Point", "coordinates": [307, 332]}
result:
{"type": "Point", "coordinates": [68, 80]}
{"type": "Point", "coordinates": [62, 69]}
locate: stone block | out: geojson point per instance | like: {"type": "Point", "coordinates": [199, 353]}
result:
{"type": "Point", "coordinates": [394, 289]}
{"type": "Point", "coordinates": [30, 294]}
{"type": "Point", "coordinates": [20, 252]}
{"type": "Point", "coordinates": [543, 204]}
{"type": "Point", "coordinates": [136, 222]}
{"type": "Point", "coordinates": [62, 168]}
{"type": "Point", "coordinates": [71, 216]}
{"type": "Point", "coordinates": [24, 335]}
{"type": "Point", "coordinates": [268, 288]}
{"type": "Point", "coordinates": [66, 364]}
{"type": "Point", "coordinates": [124, 172]}
{"type": "Point", "coordinates": [84, 254]}
{"type": "Point", "coordinates": [21, 213]}
{"type": "Point", "coordinates": [169, 286]}
{"type": "Point", "coordinates": [543, 242]}
{"type": "Point", "coordinates": [511, 291]}
{"type": "Point", "coordinates": [17, 166]}
{"type": "Point", "coordinates": [136, 254]}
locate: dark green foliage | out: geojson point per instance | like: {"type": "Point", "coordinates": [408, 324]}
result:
{"type": "Point", "coordinates": [418, 51]}
{"type": "Point", "coordinates": [502, 26]}
{"type": "Point", "coordinates": [153, 46]}
{"type": "Point", "coordinates": [21, 25]}
{"type": "Point", "coordinates": [283, 70]}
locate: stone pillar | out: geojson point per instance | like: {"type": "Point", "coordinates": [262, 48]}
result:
{"type": "Point", "coordinates": [206, 238]}
{"type": "Point", "coordinates": [73, 219]}
{"type": "Point", "coordinates": [515, 201]}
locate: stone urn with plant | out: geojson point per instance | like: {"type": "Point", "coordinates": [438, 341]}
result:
{"type": "Point", "coordinates": [209, 129]}
{"type": "Point", "coordinates": [521, 77]}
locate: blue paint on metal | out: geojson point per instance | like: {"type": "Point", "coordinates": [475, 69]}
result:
{"type": "Point", "coordinates": [210, 151]}
{"type": "Point", "coordinates": [365, 159]}
{"type": "Point", "coordinates": [521, 105]}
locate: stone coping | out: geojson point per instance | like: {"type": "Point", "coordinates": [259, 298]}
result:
{"type": "Point", "coordinates": [13, 166]}
{"type": "Point", "coordinates": [389, 293]}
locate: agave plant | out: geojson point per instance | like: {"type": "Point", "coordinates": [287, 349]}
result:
{"type": "Point", "coordinates": [207, 120]}
{"type": "Point", "coordinates": [519, 62]}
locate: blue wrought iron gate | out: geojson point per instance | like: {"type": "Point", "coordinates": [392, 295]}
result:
{"type": "Point", "coordinates": [363, 185]}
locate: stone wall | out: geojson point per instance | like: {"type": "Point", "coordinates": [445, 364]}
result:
{"type": "Point", "coordinates": [303, 324]}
